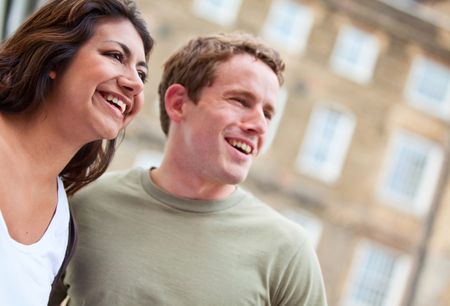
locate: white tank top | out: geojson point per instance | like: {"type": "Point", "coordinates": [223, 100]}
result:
{"type": "Point", "coordinates": [27, 271]}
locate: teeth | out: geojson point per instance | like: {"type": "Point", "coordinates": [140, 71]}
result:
{"type": "Point", "coordinates": [240, 145]}
{"type": "Point", "coordinates": [122, 106]}
{"type": "Point", "coordinates": [117, 102]}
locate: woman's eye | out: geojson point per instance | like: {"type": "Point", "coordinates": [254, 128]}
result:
{"type": "Point", "coordinates": [142, 76]}
{"type": "Point", "coordinates": [268, 115]}
{"type": "Point", "coordinates": [116, 55]}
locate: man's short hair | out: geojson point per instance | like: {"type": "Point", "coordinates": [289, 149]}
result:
{"type": "Point", "coordinates": [194, 64]}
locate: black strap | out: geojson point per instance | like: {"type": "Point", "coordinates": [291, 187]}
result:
{"type": "Point", "coordinates": [59, 290]}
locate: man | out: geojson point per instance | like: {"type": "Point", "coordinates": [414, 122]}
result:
{"type": "Point", "coordinates": [185, 233]}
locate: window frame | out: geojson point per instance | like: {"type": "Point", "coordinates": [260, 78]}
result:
{"type": "Point", "coordinates": [15, 15]}
{"type": "Point", "coordinates": [331, 169]}
{"type": "Point", "coordinates": [420, 204]}
{"type": "Point", "coordinates": [360, 70]}
{"type": "Point", "coordinates": [398, 281]}
{"type": "Point", "coordinates": [224, 15]}
{"type": "Point", "coordinates": [301, 23]}
{"type": "Point", "coordinates": [420, 100]}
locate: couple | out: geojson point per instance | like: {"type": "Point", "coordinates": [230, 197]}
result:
{"type": "Point", "coordinates": [183, 233]}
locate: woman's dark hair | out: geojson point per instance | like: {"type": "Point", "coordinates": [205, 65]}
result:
{"type": "Point", "coordinates": [47, 41]}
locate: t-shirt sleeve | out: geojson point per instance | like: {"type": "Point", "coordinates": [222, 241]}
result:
{"type": "Point", "coordinates": [301, 281]}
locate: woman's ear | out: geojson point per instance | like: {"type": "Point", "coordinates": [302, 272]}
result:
{"type": "Point", "coordinates": [175, 98]}
{"type": "Point", "coordinates": [52, 74]}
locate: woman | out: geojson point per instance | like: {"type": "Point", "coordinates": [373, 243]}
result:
{"type": "Point", "coordinates": [71, 78]}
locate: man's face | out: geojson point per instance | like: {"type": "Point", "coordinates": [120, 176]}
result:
{"type": "Point", "coordinates": [226, 129]}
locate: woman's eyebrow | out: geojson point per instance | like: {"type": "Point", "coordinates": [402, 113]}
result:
{"type": "Point", "coordinates": [127, 52]}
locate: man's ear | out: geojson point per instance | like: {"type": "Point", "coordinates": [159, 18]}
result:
{"type": "Point", "coordinates": [175, 98]}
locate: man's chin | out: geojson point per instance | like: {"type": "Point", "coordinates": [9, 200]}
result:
{"type": "Point", "coordinates": [237, 177]}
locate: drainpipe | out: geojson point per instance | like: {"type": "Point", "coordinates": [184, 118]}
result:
{"type": "Point", "coordinates": [427, 230]}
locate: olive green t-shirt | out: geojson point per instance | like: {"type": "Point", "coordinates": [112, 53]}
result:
{"type": "Point", "coordinates": [138, 245]}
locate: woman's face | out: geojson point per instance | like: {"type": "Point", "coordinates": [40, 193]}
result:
{"type": "Point", "coordinates": [101, 90]}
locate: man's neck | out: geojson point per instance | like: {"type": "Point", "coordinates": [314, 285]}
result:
{"type": "Point", "coordinates": [187, 185]}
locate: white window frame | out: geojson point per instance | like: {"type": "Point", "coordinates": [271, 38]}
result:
{"type": "Point", "coordinates": [312, 225]}
{"type": "Point", "coordinates": [39, 3]}
{"type": "Point", "coordinates": [426, 186]}
{"type": "Point", "coordinates": [274, 124]}
{"type": "Point", "coordinates": [360, 68]}
{"type": "Point", "coordinates": [288, 24]}
{"type": "Point", "coordinates": [359, 276]}
{"type": "Point", "coordinates": [423, 70]}
{"type": "Point", "coordinates": [148, 158]}
{"type": "Point", "coordinates": [223, 13]}
{"type": "Point", "coordinates": [330, 169]}
{"type": "Point", "coordinates": [2, 17]}
{"type": "Point", "coordinates": [18, 11]}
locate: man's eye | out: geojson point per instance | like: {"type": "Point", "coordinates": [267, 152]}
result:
{"type": "Point", "coordinates": [241, 101]}
{"type": "Point", "coordinates": [268, 115]}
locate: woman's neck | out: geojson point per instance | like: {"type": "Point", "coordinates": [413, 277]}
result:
{"type": "Point", "coordinates": [32, 154]}
{"type": "Point", "coordinates": [29, 144]}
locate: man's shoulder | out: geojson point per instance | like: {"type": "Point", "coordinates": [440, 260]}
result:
{"type": "Point", "coordinates": [280, 227]}
{"type": "Point", "coordinates": [110, 183]}
{"type": "Point", "coordinates": [119, 175]}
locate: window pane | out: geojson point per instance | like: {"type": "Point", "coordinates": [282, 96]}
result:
{"type": "Point", "coordinates": [411, 172]}
{"type": "Point", "coordinates": [326, 142]}
{"type": "Point", "coordinates": [429, 87]}
{"type": "Point", "coordinates": [377, 272]}
{"type": "Point", "coordinates": [223, 12]}
{"type": "Point", "coordinates": [355, 54]}
{"type": "Point", "coordinates": [407, 171]}
{"type": "Point", "coordinates": [288, 24]}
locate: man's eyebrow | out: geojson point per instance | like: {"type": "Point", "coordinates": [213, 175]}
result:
{"type": "Point", "coordinates": [251, 96]}
{"type": "Point", "coordinates": [127, 52]}
{"type": "Point", "coordinates": [241, 92]}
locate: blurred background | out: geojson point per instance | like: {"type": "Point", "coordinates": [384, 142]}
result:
{"type": "Point", "coordinates": [358, 153]}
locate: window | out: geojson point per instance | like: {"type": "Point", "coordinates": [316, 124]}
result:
{"type": "Point", "coordinates": [223, 12]}
{"type": "Point", "coordinates": [273, 127]}
{"type": "Point", "coordinates": [325, 145]}
{"type": "Point", "coordinates": [17, 12]}
{"type": "Point", "coordinates": [2, 18]}
{"type": "Point", "coordinates": [148, 158]}
{"type": "Point", "coordinates": [378, 277]}
{"type": "Point", "coordinates": [40, 3]}
{"type": "Point", "coordinates": [428, 87]}
{"type": "Point", "coordinates": [288, 24]}
{"type": "Point", "coordinates": [355, 54]}
{"type": "Point", "coordinates": [311, 225]}
{"type": "Point", "coordinates": [13, 13]}
{"type": "Point", "coordinates": [411, 172]}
